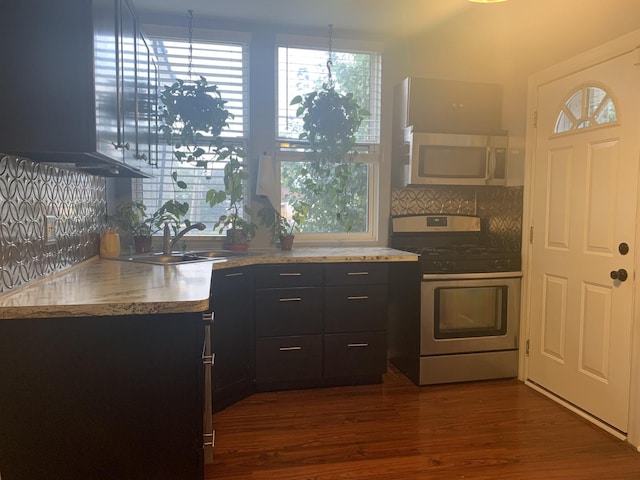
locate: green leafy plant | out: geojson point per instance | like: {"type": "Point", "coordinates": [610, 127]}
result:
{"type": "Point", "coordinates": [235, 174]}
{"type": "Point", "coordinates": [280, 225]}
{"type": "Point", "coordinates": [193, 116]}
{"type": "Point", "coordinates": [330, 122]}
{"type": "Point", "coordinates": [132, 218]}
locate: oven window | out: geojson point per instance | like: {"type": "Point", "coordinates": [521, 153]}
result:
{"type": "Point", "coordinates": [470, 312]}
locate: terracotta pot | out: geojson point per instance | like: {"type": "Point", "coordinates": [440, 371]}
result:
{"type": "Point", "coordinates": [142, 244]}
{"type": "Point", "coordinates": [286, 242]}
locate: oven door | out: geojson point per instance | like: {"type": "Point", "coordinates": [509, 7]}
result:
{"type": "Point", "coordinates": [464, 313]}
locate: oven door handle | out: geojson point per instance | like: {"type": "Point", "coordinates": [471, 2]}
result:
{"type": "Point", "coordinates": [470, 276]}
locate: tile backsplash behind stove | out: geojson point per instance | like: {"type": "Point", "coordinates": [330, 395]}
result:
{"type": "Point", "coordinates": [29, 192]}
{"type": "Point", "coordinates": [500, 208]}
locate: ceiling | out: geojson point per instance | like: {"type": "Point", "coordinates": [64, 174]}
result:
{"type": "Point", "coordinates": [377, 17]}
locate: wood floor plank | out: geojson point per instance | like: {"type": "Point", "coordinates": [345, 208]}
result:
{"type": "Point", "coordinates": [491, 430]}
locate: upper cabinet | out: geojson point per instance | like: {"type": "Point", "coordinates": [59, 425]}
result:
{"type": "Point", "coordinates": [80, 86]}
{"type": "Point", "coordinates": [447, 106]}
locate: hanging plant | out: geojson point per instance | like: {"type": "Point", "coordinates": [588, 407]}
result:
{"type": "Point", "coordinates": [194, 116]}
{"type": "Point", "coordinates": [330, 123]}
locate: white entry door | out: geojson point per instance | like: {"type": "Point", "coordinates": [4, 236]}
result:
{"type": "Point", "coordinates": [585, 194]}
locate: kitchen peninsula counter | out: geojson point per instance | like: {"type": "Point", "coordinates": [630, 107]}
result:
{"type": "Point", "coordinates": [99, 287]}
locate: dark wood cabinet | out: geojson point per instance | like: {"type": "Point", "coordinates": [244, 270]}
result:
{"type": "Point", "coordinates": [72, 94]}
{"type": "Point", "coordinates": [102, 397]}
{"type": "Point", "coordinates": [288, 319]}
{"type": "Point", "coordinates": [355, 321]}
{"type": "Point", "coordinates": [232, 336]}
{"type": "Point", "coordinates": [448, 106]}
{"type": "Point", "coordinates": [288, 359]}
{"type": "Point", "coordinates": [320, 324]}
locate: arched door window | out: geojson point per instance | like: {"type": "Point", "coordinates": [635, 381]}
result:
{"type": "Point", "coordinates": [587, 107]}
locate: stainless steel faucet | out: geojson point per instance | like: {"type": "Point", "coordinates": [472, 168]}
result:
{"type": "Point", "coordinates": [168, 243]}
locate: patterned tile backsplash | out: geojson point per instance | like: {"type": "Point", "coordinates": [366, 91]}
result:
{"type": "Point", "coordinates": [500, 208]}
{"type": "Point", "coordinates": [30, 191]}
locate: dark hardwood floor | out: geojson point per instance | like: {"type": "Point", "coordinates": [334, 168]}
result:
{"type": "Point", "coordinates": [490, 430]}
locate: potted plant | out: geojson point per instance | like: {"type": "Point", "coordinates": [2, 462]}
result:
{"type": "Point", "coordinates": [194, 116]}
{"type": "Point", "coordinates": [192, 112]}
{"type": "Point", "coordinates": [330, 123]}
{"type": "Point", "coordinates": [283, 228]}
{"type": "Point", "coordinates": [132, 218]}
{"type": "Point", "coordinates": [239, 231]}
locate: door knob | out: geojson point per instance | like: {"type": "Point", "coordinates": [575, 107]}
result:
{"type": "Point", "coordinates": [621, 274]}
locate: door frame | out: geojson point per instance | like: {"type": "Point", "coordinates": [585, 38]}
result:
{"type": "Point", "coordinates": [622, 45]}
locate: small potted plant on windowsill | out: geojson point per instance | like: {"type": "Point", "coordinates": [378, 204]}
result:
{"type": "Point", "coordinates": [131, 218]}
{"type": "Point", "coordinates": [283, 228]}
{"type": "Point", "coordinates": [239, 231]}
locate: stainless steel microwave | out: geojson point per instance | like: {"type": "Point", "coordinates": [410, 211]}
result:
{"type": "Point", "coordinates": [456, 159]}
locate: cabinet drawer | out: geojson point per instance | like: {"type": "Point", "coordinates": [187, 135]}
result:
{"type": "Point", "coordinates": [357, 273]}
{"type": "Point", "coordinates": [229, 280]}
{"type": "Point", "coordinates": [288, 275]}
{"type": "Point", "coordinates": [350, 354]}
{"type": "Point", "coordinates": [288, 358]}
{"type": "Point", "coordinates": [288, 311]}
{"type": "Point", "coordinates": [355, 308]}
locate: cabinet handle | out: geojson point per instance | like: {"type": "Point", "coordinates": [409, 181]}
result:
{"type": "Point", "coordinates": [209, 359]}
{"type": "Point", "coordinates": [237, 274]}
{"type": "Point", "coordinates": [358, 297]}
{"type": "Point", "coordinates": [207, 318]}
{"type": "Point", "coordinates": [291, 299]}
{"type": "Point", "coordinates": [357, 273]}
{"type": "Point", "coordinates": [291, 274]}
{"type": "Point", "coordinates": [288, 349]}
{"type": "Point", "coordinates": [357, 345]}
{"type": "Point", "coordinates": [209, 439]}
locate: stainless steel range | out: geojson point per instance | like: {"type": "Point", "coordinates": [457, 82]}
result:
{"type": "Point", "coordinates": [469, 301]}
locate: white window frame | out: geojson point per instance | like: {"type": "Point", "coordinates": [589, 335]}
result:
{"type": "Point", "coordinates": [372, 156]}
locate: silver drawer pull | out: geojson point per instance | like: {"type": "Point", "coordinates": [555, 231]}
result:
{"type": "Point", "coordinates": [209, 439]}
{"type": "Point", "coordinates": [289, 349]}
{"type": "Point", "coordinates": [357, 345]}
{"type": "Point", "coordinates": [291, 274]}
{"type": "Point", "coordinates": [207, 318]}
{"type": "Point", "coordinates": [357, 273]}
{"type": "Point", "coordinates": [209, 359]}
{"type": "Point", "coordinates": [291, 299]}
{"type": "Point", "coordinates": [358, 297]}
{"type": "Point", "coordinates": [237, 274]}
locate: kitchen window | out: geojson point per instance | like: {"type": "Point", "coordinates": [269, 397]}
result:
{"type": "Point", "coordinates": [222, 58]}
{"type": "Point", "coordinates": [356, 68]}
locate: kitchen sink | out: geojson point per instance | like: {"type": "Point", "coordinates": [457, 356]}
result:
{"type": "Point", "coordinates": [183, 257]}
{"type": "Point", "coordinates": [219, 253]}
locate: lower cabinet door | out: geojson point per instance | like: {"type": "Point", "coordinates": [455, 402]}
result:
{"type": "Point", "coordinates": [287, 358]}
{"type": "Point", "coordinates": [355, 354]}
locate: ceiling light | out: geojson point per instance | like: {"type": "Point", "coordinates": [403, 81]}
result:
{"type": "Point", "coordinates": [487, 1]}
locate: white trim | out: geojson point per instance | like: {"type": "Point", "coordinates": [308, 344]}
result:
{"type": "Point", "coordinates": [209, 34]}
{"type": "Point", "coordinates": [596, 421]}
{"type": "Point", "coordinates": [350, 45]}
{"type": "Point", "coordinates": [620, 46]}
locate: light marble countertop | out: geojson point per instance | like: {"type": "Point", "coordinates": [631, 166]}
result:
{"type": "Point", "coordinates": [99, 287]}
